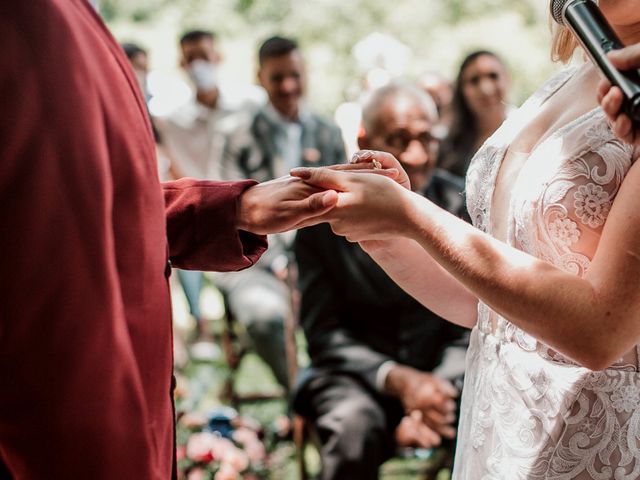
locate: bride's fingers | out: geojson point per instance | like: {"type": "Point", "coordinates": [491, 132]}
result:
{"type": "Point", "coordinates": [387, 172]}
{"type": "Point", "coordinates": [385, 159]}
{"type": "Point", "coordinates": [612, 102]}
{"type": "Point", "coordinates": [626, 58]}
{"type": "Point", "coordinates": [603, 88]}
{"type": "Point", "coordinates": [322, 178]}
{"type": "Point", "coordinates": [623, 128]}
{"type": "Point", "coordinates": [350, 167]}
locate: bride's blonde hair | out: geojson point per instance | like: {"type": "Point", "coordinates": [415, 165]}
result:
{"type": "Point", "coordinates": [563, 43]}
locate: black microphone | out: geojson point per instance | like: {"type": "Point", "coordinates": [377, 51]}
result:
{"type": "Point", "coordinates": [586, 21]}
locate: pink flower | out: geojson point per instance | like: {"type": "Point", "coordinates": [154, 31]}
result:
{"type": "Point", "coordinates": [181, 452]}
{"type": "Point", "coordinates": [200, 447]}
{"type": "Point", "coordinates": [237, 459]}
{"type": "Point", "coordinates": [197, 474]}
{"type": "Point", "coordinates": [255, 451]}
{"type": "Point", "coordinates": [244, 435]}
{"type": "Point", "coordinates": [194, 420]}
{"type": "Point", "coordinates": [221, 447]}
{"type": "Point", "coordinates": [226, 472]}
{"type": "Point", "coordinates": [251, 444]}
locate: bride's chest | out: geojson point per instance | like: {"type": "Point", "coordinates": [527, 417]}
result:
{"type": "Point", "coordinates": [535, 155]}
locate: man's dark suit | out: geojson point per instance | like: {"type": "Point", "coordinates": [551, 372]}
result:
{"type": "Point", "coordinates": [355, 319]}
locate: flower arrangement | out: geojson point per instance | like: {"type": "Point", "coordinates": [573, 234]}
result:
{"type": "Point", "coordinates": [220, 446]}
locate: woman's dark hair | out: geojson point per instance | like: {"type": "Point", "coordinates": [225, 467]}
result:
{"type": "Point", "coordinates": [458, 148]}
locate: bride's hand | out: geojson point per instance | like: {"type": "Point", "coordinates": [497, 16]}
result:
{"type": "Point", "coordinates": [611, 98]}
{"type": "Point", "coordinates": [370, 206]}
{"type": "Point", "coordinates": [385, 161]}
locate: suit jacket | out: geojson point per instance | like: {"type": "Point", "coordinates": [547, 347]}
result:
{"type": "Point", "coordinates": [85, 317]}
{"type": "Point", "coordinates": [355, 317]}
{"type": "Point", "coordinates": [251, 151]}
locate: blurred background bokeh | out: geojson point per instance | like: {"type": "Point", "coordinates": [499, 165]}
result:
{"type": "Point", "coordinates": [350, 47]}
{"type": "Point", "coordinates": [342, 41]}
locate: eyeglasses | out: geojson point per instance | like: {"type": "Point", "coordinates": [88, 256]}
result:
{"type": "Point", "coordinates": [399, 140]}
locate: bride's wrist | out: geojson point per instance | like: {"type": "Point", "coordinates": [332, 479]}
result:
{"type": "Point", "coordinates": [413, 217]}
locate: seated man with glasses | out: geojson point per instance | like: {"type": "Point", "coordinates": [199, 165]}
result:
{"type": "Point", "coordinates": [383, 366]}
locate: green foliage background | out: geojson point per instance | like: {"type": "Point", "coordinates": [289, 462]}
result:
{"type": "Point", "coordinates": [439, 33]}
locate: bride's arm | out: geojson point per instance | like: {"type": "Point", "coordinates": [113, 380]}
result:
{"type": "Point", "coordinates": [416, 272]}
{"type": "Point", "coordinates": [593, 319]}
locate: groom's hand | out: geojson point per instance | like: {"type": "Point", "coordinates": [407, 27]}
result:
{"type": "Point", "coordinates": [282, 204]}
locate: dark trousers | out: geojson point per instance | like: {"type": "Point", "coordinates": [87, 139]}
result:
{"type": "Point", "coordinates": [355, 426]}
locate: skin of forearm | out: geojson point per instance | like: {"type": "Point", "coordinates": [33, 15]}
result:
{"type": "Point", "coordinates": [564, 311]}
{"type": "Point", "coordinates": [430, 284]}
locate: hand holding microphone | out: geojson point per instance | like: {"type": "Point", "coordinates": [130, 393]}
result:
{"type": "Point", "coordinates": [619, 67]}
{"type": "Point", "coordinates": [611, 97]}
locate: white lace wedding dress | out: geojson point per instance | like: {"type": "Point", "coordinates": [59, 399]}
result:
{"type": "Point", "coordinates": [527, 411]}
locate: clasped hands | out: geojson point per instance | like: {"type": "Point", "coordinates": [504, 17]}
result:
{"type": "Point", "coordinates": [429, 403]}
{"type": "Point", "coordinates": [362, 200]}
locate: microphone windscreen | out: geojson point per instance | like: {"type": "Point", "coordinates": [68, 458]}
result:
{"type": "Point", "coordinates": [557, 6]}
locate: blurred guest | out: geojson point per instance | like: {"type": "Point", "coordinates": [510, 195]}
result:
{"type": "Point", "coordinates": [440, 89]}
{"type": "Point", "coordinates": [192, 132]}
{"type": "Point", "coordinates": [282, 135]}
{"type": "Point", "coordinates": [139, 60]}
{"type": "Point", "coordinates": [192, 136]}
{"type": "Point", "coordinates": [479, 107]}
{"type": "Point", "coordinates": [374, 349]}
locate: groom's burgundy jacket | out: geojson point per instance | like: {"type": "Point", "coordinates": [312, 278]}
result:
{"type": "Point", "coordinates": [85, 321]}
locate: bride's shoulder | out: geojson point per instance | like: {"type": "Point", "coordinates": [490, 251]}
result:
{"type": "Point", "coordinates": [555, 81]}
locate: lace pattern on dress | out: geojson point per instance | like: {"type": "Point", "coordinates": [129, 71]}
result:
{"type": "Point", "coordinates": [529, 413]}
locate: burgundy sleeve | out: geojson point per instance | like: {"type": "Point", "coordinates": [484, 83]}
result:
{"type": "Point", "coordinates": [71, 397]}
{"type": "Point", "coordinates": [201, 226]}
